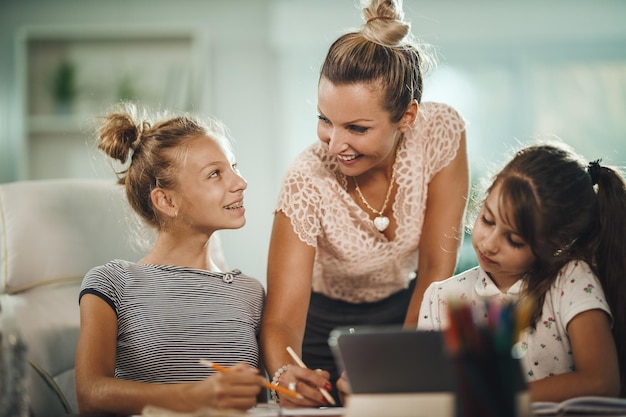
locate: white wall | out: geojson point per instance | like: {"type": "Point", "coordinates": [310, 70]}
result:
{"type": "Point", "coordinates": [503, 64]}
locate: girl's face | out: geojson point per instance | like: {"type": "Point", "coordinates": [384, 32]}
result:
{"type": "Point", "coordinates": [210, 190]}
{"type": "Point", "coordinates": [501, 252]}
{"type": "Point", "coordinates": [358, 131]}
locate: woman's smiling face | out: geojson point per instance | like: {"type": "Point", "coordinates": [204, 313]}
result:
{"type": "Point", "coordinates": [357, 129]}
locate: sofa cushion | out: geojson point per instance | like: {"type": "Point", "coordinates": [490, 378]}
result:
{"type": "Point", "coordinates": [56, 230]}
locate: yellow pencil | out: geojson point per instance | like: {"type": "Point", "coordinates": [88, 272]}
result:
{"type": "Point", "coordinates": [301, 364]}
{"type": "Point", "coordinates": [267, 384]}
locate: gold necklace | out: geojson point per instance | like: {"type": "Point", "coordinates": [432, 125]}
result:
{"type": "Point", "coordinates": [381, 222]}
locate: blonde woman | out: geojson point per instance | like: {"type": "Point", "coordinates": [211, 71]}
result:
{"type": "Point", "coordinates": [371, 214]}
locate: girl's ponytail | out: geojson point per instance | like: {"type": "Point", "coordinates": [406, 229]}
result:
{"type": "Point", "coordinates": [610, 254]}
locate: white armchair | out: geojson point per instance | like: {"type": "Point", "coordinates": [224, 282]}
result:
{"type": "Point", "coordinates": [51, 233]}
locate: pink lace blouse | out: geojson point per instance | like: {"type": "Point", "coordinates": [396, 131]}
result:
{"type": "Point", "coordinates": [354, 262]}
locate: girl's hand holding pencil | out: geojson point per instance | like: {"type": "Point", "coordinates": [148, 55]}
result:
{"type": "Point", "coordinates": [265, 383]}
{"type": "Point", "coordinates": [239, 389]}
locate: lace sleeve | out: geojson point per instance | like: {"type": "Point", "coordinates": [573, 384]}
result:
{"type": "Point", "coordinates": [300, 201]}
{"type": "Point", "coordinates": [443, 127]}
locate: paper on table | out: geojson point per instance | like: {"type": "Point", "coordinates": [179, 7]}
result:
{"type": "Point", "coordinates": [588, 405]}
{"type": "Point", "coordinates": [262, 410]}
{"type": "Point", "coordinates": [152, 411]}
{"type": "Point", "coordinates": [271, 410]}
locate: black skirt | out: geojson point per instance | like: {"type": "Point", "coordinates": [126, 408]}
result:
{"type": "Point", "coordinates": [326, 314]}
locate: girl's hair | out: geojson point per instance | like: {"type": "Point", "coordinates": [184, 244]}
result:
{"type": "Point", "coordinates": [382, 53]}
{"type": "Point", "coordinates": [155, 146]}
{"type": "Point", "coordinates": [566, 210]}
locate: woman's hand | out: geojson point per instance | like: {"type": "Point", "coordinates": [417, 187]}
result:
{"type": "Point", "coordinates": [307, 383]}
{"type": "Point", "coordinates": [237, 388]}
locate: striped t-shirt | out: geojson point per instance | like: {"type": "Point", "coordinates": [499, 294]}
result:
{"type": "Point", "coordinates": [170, 317]}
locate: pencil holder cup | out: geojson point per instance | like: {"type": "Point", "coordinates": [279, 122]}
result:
{"type": "Point", "coordinates": [489, 385]}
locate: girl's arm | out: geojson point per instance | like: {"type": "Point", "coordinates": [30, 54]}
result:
{"type": "Point", "coordinates": [289, 272]}
{"type": "Point", "coordinates": [595, 359]}
{"type": "Point", "coordinates": [443, 228]}
{"type": "Point", "coordinates": [98, 391]}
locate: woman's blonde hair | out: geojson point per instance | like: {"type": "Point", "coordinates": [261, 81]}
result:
{"type": "Point", "coordinates": [382, 53]}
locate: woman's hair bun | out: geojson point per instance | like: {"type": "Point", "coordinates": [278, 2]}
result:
{"type": "Point", "coordinates": [384, 23]}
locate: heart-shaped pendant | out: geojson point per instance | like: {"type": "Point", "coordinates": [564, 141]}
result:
{"type": "Point", "coordinates": [381, 223]}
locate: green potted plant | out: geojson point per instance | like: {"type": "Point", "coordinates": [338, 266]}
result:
{"type": "Point", "coordinates": [64, 87]}
{"type": "Point", "coordinates": [126, 89]}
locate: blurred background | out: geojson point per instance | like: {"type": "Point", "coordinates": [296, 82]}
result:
{"type": "Point", "coordinates": [517, 72]}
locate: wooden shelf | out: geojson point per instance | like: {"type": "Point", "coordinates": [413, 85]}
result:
{"type": "Point", "coordinates": [159, 69]}
{"type": "Point", "coordinates": [59, 124]}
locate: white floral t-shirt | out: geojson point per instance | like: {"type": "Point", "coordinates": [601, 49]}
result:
{"type": "Point", "coordinates": [546, 350]}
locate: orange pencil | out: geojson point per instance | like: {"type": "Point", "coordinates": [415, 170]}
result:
{"type": "Point", "coordinates": [267, 384]}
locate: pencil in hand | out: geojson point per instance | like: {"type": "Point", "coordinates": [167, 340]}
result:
{"type": "Point", "coordinates": [267, 384]}
{"type": "Point", "coordinates": [301, 364]}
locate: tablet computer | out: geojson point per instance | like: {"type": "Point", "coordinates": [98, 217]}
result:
{"type": "Point", "coordinates": [402, 373]}
{"type": "Point", "coordinates": [389, 359]}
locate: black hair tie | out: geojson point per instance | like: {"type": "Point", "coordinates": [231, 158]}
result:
{"type": "Point", "coordinates": [594, 171]}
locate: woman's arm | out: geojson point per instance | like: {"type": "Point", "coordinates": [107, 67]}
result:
{"type": "Point", "coordinates": [98, 391]}
{"type": "Point", "coordinates": [442, 231]}
{"type": "Point", "coordinates": [595, 359]}
{"type": "Point", "coordinates": [289, 272]}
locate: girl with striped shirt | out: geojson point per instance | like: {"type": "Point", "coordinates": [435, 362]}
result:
{"type": "Point", "coordinates": [146, 325]}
